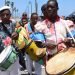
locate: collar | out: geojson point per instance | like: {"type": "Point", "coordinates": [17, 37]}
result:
{"type": "Point", "coordinates": [56, 19]}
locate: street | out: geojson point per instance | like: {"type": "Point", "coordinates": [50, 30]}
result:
{"type": "Point", "coordinates": [25, 72]}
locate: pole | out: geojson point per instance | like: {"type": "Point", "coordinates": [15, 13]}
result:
{"type": "Point", "coordinates": [5, 2]}
{"type": "Point", "coordinates": [36, 6]}
{"type": "Point", "coordinates": [8, 3]}
{"type": "Point", "coordinates": [31, 6]}
{"type": "Point", "coordinates": [12, 5]}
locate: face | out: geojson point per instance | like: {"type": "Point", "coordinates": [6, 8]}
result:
{"type": "Point", "coordinates": [34, 19]}
{"type": "Point", "coordinates": [5, 16]}
{"type": "Point", "coordinates": [24, 21]}
{"type": "Point", "coordinates": [51, 9]}
{"type": "Point", "coordinates": [24, 15]}
{"type": "Point", "coordinates": [45, 13]}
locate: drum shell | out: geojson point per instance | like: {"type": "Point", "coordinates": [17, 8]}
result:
{"type": "Point", "coordinates": [9, 59]}
{"type": "Point", "coordinates": [72, 72]}
{"type": "Point", "coordinates": [36, 52]}
{"type": "Point", "coordinates": [32, 49]}
{"type": "Point", "coordinates": [22, 40]}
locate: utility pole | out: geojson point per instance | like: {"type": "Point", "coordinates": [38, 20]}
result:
{"type": "Point", "coordinates": [36, 6]}
{"type": "Point", "coordinates": [5, 2]}
{"type": "Point", "coordinates": [8, 3]}
{"type": "Point", "coordinates": [17, 12]}
{"type": "Point", "coordinates": [31, 6]}
{"type": "Point", "coordinates": [12, 6]}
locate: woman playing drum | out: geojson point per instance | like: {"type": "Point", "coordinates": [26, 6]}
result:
{"type": "Point", "coordinates": [55, 30]}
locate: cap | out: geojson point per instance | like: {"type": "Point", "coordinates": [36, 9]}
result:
{"type": "Point", "coordinates": [4, 8]}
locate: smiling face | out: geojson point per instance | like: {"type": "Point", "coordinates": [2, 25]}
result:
{"type": "Point", "coordinates": [52, 8]}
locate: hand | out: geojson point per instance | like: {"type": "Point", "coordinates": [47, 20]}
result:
{"type": "Point", "coordinates": [69, 42]}
{"type": "Point", "coordinates": [15, 35]}
{"type": "Point", "coordinates": [49, 45]}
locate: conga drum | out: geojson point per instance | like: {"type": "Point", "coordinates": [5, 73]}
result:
{"type": "Point", "coordinates": [62, 63]}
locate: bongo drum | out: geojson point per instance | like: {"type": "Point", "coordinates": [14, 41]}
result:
{"type": "Point", "coordinates": [62, 63]}
{"type": "Point", "coordinates": [7, 57]}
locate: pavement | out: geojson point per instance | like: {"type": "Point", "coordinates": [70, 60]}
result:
{"type": "Point", "coordinates": [25, 72]}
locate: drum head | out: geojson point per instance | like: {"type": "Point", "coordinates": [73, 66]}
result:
{"type": "Point", "coordinates": [5, 53]}
{"type": "Point", "coordinates": [37, 36]}
{"type": "Point", "coordinates": [61, 62]}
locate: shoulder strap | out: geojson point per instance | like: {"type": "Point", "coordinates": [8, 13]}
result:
{"type": "Point", "coordinates": [29, 28]}
{"type": "Point", "coordinates": [6, 30]}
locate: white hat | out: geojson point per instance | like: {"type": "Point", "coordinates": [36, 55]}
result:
{"type": "Point", "coordinates": [4, 8]}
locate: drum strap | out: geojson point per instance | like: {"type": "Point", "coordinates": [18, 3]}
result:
{"type": "Point", "coordinates": [6, 30]}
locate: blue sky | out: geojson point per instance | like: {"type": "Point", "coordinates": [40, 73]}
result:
{"type": "Point", "coordinates": [66, 7]}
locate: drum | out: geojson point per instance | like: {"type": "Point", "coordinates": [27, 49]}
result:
{"type": "Point", "coordinates": [31, 46]}
{"type": "Point", "coordinates": [22, 40]}
{"type": "Point", "coordinates": [37, 36]}
{"type": "Point", "coordinates": [62, 63]}
{"type": "Point", "coordinates": [7, 57]}
{"type": "Point", "coordinates": [36, 50]}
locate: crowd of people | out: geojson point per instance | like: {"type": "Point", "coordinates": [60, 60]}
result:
{"type": "Point", "coordinates": [51, 34]}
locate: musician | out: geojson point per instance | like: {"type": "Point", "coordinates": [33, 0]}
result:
{"type": "Point", "coordinates": [44, 11]}
{"type": "Point", "coordinates": [30, 27]}
{"type": "Point", "coordinates": [70, 42]}
{"type": "Point", "coordinates": [54, 28]}
{"type": "Point", "coordinates": [22, 23]}
{"type": "Point", "coordinates": [24, 19]}
{"type": "Point", "coordinates": [7, 26]}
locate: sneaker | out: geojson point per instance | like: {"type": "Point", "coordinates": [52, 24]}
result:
{"type": "Point", "coordinates": [22, 69]}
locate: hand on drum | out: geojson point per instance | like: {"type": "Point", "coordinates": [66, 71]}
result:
{"type": "Point", "coordinates": [69, 42]}
{"type": "Point", "coordinates": [50, 44]}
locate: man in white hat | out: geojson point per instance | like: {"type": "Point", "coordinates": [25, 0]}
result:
{"type": "Point", "coordinates": [7, 26]}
